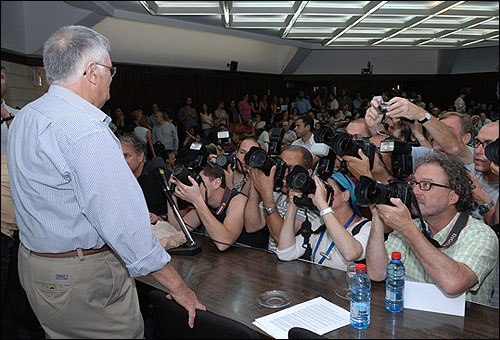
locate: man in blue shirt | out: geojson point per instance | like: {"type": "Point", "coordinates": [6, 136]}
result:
{"type": "Point", "coordinates": [83, 221]}
{"type": "Point", "coordinates": [303, 105]}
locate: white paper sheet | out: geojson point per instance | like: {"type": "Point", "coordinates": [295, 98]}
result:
{"type": "Point", "coordinates": [429, 297]}
{"type": "Point", "coordinates": [317, 315]}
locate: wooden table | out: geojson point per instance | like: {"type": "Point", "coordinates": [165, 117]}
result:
{"type": "Point", "coordinates": [228, 284]}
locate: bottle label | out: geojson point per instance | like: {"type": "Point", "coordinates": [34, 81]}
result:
{"type": "Point", "coordinates": [391, 296]}
{"type": "Point", "coordinates": [358, 308]}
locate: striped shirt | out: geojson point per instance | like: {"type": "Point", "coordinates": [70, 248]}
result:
{"type": "Point", "coordinates": [71, 186]}
{"type": "Point", "coordinates": [476, 247]}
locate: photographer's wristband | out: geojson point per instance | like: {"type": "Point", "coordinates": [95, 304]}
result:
{"type": "Point", "coordinates": [326, 211]}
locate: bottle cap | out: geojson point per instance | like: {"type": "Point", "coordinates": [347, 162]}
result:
{"type": "Point", "coordinates": [396, 255]}
{"type": "Point", "coordinates": [360, 268]}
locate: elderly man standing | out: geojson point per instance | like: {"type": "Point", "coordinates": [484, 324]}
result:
{"type": "Point", "coordinates": [83, 221]}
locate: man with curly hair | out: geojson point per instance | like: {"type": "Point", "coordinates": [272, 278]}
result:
{"type": "Point", "coordinates": [431, 253]}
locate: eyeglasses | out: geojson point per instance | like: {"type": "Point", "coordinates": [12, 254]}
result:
{"type": "Point", "coordinates": [476, 142]}
{"type": "Point", "coordinates": [112, 69]}
{"type": "Point", "coordinates": [425, 185]}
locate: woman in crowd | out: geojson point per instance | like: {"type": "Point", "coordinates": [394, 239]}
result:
{"type": "Point", "coordinates": [235, 115]}
{"type": "Point", "coordinates": [245, 108]}
{"type": "Point", "coordinates": [255, 105]}
{"type": "Point", "coordinates": [207, 120]}
{"type": "Point", "coordinates": [143, 132]}
{"type": "Point", "coordinates": [345, 233]}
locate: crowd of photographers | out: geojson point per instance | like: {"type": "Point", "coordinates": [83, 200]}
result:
{"type": "Point", "coordinates": [390, 177]}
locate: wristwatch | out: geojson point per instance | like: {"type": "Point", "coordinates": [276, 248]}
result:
{"type": "Point", "coordinates": [426, 118]}
{"type": "Point", "coordinates": [269, 211]}
{"type": "Point", "coordinates": [484, 208]}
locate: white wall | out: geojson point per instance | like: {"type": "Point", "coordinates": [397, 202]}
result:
{"type": "Point", "coordinates": [476, 60]}
{"type": "Point", "coordinates": [151, 44]}
{"type": "Point", "coordinates": [384, 62]}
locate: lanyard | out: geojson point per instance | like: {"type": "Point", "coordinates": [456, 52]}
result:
{"type": "Point", "coordinates": [323, 256]}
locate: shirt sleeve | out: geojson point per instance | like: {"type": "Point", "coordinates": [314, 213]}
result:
{"type": "Point", "coordinates": [111, 199]}
{"type": "Point", "coordinates": [293, 252]}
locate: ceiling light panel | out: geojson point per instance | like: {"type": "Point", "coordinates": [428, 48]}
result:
{"type": "Point", "coordinates": [420, 24]}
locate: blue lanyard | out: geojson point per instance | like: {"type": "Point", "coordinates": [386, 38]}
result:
{"type": "Point", "coordinates": [331, 245]}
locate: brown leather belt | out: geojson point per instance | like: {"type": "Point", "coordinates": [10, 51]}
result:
{"type": "Point", "coordinates": [72, 253]}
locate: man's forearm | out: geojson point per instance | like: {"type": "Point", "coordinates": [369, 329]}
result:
{"type": "Point", "coordinates": [450, 142]}
{"type": "Point", "coordinates": [376, 254]}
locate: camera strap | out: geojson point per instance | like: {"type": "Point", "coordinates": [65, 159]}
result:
{"type": "Point", "coordinates": [305, 230]}
{"type": "Point", "coordinates": [452, 237]}
{"type": "Point", "coordinates": [224, 202]}
{"type": "Point", "coordinates": [326, 255]}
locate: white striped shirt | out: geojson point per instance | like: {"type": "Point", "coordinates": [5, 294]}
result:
{"type": "Point", "coordinates": [71, 186]}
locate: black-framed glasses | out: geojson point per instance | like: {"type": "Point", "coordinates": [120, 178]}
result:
{"type": "Point", "coordinates": [425, 185]}
{"type": "Point", "coordinates": [476, 142]}
{"type": "Point", "coordinates": [112, 69]}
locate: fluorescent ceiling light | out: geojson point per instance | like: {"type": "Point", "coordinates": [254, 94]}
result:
{"type": "Point", "coordinates": [296, 15]}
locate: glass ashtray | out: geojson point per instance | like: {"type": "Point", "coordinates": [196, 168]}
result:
{"type": "Point", "coordinates": [274, 299]}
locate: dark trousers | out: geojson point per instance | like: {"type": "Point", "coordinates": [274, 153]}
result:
{"type": "Point", "coordinates": [17, 317]}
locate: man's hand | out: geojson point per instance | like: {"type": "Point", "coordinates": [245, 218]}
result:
{"type": "Point", "coordinates": [401, 107]}
{"type": "Point", "coordinates": [478, 193]}
{"type": "Point", "coordinates": [291, 194]}
{"type": "Point", "coordinates": [229, 174]}
{"type": "Point", "coordinates": [154, 218]}
{"type": "Point", "coordinates": [358, 167]}
{"type": "Point", "coordinates": [397, 217]}
{"type": "Point", "coordinates": [5, 113]}
{"type": "Point", "coordinates": [187, 299]}
{"type": "Point", "coordinates": [262, 183]}
{"type": "Point", "coordinates": [189, 194]}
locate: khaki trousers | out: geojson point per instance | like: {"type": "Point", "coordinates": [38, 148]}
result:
{"type": "Point", "coordinates": [90, 296]}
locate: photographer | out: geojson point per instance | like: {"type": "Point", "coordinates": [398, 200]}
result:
{"type": "Point", "coordinates": [449, 135]}
{"type": "Point", "coordinates": [343, 243]}
{"type": "Point", "coordinates": [457, 260]}
{"type": "Point", "coordinates": [217, 207]}
{"type": "Point", "coordinates": [484, 179]}
{"type": "Point", "coordinates": [268, 207]}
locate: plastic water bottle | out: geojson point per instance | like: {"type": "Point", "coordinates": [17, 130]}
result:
{"type": "Point", "coordinates": [360, 298]}
{"type": "Point", "coordinates": [395, 284]}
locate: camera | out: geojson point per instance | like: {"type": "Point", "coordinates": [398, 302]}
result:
{"type": "Point", "coordinates": [344, 145]}
{"type": "Point", "coordinates": [201, 155]}
{"type": "Point", "coordinates": [275, 140]}
{"type": "Point", "coordinates": [224, 140]}
{"type": "Point", "coordinates": [382, 106]}
{"type": "Point", "coordinates": [298, 179]}
{"type": "Point", "coordinates": [181, 173]}
{"type": "Point", "coordinates": [491, 151]}
{"type": "Point", "coordinates": [225, 161]}
{"type": "Point", "coordinates": [324, 135]}
{"type": "Point", "coordinates": [258, 158]}
{"type": "Point", "coordinates": [326, 164]}
{"type": "Point", "coordinates": [369, 192]}
{"type": "Point", "coordinates": [402, 164]}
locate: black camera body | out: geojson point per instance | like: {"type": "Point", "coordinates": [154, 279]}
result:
{"type": "Point", "coordinates": [181, 173]}
{"type": "Point", "coordinates": [298, 179]}
{"type": "Point", "coordinates": [369, 192]}
{"type": "Point", "coordinates": [402, 163]}
{"type": "Point", "coordinates": [259, 159]}
{"type": "Point", "coordinates": [326, 164]}
{"type": "Point", "coordinates": [275, 141]}
{"type": "Point", "coordinates": [225, 161]}
{"type": "Point", "coordinates": [201, 156]}
{"type": "Point", "coordinates": [344, 145]}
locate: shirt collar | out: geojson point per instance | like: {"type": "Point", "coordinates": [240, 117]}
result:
{"type": "Point", "coordinates": [74, 99]}
{"type": "Point", "coordinates": [443, 233]}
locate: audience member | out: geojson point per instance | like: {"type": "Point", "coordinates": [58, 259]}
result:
{"type": "Point", "coordinates": [289, 137]}
{"type": "Point", "coordinates": [66, 188]}
{"type": "Point", "coordinates": [221, 114]}
{"type": "Point", "coordinates": [303, 105]}
{"type": "Point", "coordinates": [303, 130]}
{"type": "Point", "coordinates": [244, 108]}
{"type": "Point", "coordinates": [234, 113]}
{"type": "Point", "coordinates": [333, 105]}
{"type": "Point", "coordinates": [136, 119]}
{"type": "Point", "coordinates": [8, 113]}
{"type": "Point", "coordinates": [255, 105]}
{"type": "Point", "coordinates": [247, 130]}
{"type": "Point", "coordinates": [444, 193]}
{"type": "Point", "coordinates": [207, 120]}
{"type": "Point", "coordinates": [143, 132]}
{"type": "Point", "coordinates": [187, 115]}
{"type": "Point", "coordinates": [460, 102]}
{"type": "Point", "coordinates": [165, 132]}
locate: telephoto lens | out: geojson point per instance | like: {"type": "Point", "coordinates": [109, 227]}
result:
{"type": "Point", "coordinates": [324, 135]}
{"type": "Point", "coordinates": [369, 192]}
{"type": "Point", "coordinates": [491, 151]}
{"type": "Point", "coordinates": [298, 179]}
{"type": "Point", "coordinates": [181, 173]}
{"type": "Point", "coordinates": [258, 158]}
{"type": "Point", "coordinates": [224, 161]}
